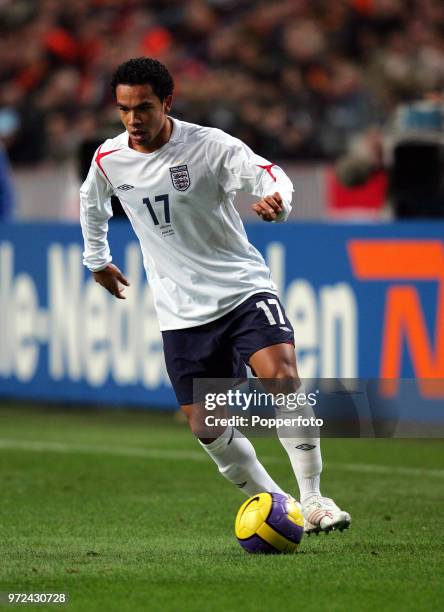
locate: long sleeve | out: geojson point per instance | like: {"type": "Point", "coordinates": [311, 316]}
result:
{"type": "Point", "coordinates": [238, 168]}
{"type": "Point", "coordinates": [95, 211]}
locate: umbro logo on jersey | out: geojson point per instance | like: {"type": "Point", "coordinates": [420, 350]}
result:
{"type": "Point", "coordinates": [180, 177]}
{"type": "Point", "coordinates": [125, 187]}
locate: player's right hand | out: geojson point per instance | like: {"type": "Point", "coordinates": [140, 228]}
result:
{"type": "Point", "coordinates": [110, 277]}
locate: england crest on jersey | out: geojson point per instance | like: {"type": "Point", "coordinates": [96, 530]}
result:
{"type": "Point", "coordinates": [180, 177]}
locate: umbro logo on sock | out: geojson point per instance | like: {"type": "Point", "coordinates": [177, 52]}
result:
{"type": "Point", "coordinates": [306, 447]}
{"type": "Point", "coordinates": [241, 485]}
{"type": "Point", "coordinates": [125, 187]}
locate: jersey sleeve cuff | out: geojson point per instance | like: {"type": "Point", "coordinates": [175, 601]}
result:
{"type": "Point", "coordinates": [97, 267]}
{"type": "Point", "coordinates": [284, 214]}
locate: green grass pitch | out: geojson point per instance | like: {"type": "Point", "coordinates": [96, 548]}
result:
{"type": "Point", "coordinates": [123, 511]}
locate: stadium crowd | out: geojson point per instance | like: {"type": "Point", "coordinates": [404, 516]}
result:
{"type": "Point", "coordinates": [293, 78]}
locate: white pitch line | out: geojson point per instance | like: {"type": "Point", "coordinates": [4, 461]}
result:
{"type": "Point", "coordinates": [158, 453]}
{"type": "Point", "coordinates": [89, 449]}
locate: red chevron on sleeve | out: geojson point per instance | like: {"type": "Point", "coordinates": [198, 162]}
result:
{"type": "Point", "coordinates": [100, 155]}
{"type": "Point", "coordinates": [268, 169]}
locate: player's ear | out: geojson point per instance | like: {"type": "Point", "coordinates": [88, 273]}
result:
{"type": "Point", "coordinates": [167, 104]}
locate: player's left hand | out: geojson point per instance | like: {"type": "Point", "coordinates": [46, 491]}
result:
{"type": "Point", "coordinates": [111, 278]}
{"type": "Point", "coordinates": [269, 207]}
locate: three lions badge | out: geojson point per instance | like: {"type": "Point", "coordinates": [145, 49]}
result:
{"type": "Point", "coordinates": [180, 177]}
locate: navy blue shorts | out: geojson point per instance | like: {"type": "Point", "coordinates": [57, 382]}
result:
{"type": "Point", "coordinates": [221, 348]}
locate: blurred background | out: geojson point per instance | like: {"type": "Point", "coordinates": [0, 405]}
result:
{"type": "Point", "coordinates": [346, 94]}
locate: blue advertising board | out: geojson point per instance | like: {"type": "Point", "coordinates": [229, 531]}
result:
{"type": "Point", "coordinates": [366, 301]}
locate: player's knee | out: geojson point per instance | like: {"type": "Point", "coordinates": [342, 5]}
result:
{"type": "Point", "coordinates": [196, 421]}
{"type": "Point", "coordinates": [278, 369]}
{"type": "Point", "coordinates": [281, 377]}
{"type": "Point", "coordinates": [284, 371]}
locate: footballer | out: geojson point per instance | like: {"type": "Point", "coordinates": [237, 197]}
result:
{"type": "Point", "coordinates": [216, 303]}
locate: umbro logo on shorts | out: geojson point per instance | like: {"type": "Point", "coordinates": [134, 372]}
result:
{"type": "Point", "coordinates": [125, 187]}
{"type": "Point", "coordinates": [284, 328]}
{"type": "Point", "coordinates": [306, 447]}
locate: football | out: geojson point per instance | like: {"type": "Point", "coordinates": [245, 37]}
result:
{"type": "Point", "coordinates": [269, 523]}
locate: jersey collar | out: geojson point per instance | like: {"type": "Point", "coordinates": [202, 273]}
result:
{"type": "Point", "coordinates": [177, 129]}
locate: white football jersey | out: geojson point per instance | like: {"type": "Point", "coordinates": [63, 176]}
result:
{"type": "Point", "coordinates": [179, 199]}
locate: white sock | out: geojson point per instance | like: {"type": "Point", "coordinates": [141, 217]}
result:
{"type": "Point", "coordinates": [309, 486]}
{"type": "Point", "coordinates": [236, 459]}
{"type": "Point", "coordinates": [304, 452]}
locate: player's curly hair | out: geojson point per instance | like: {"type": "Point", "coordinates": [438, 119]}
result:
{"type": "Point", "coordinates": [141, 71]}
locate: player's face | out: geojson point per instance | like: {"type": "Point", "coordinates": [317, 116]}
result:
{"type": "Point", "coordinates": [143, 114]}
